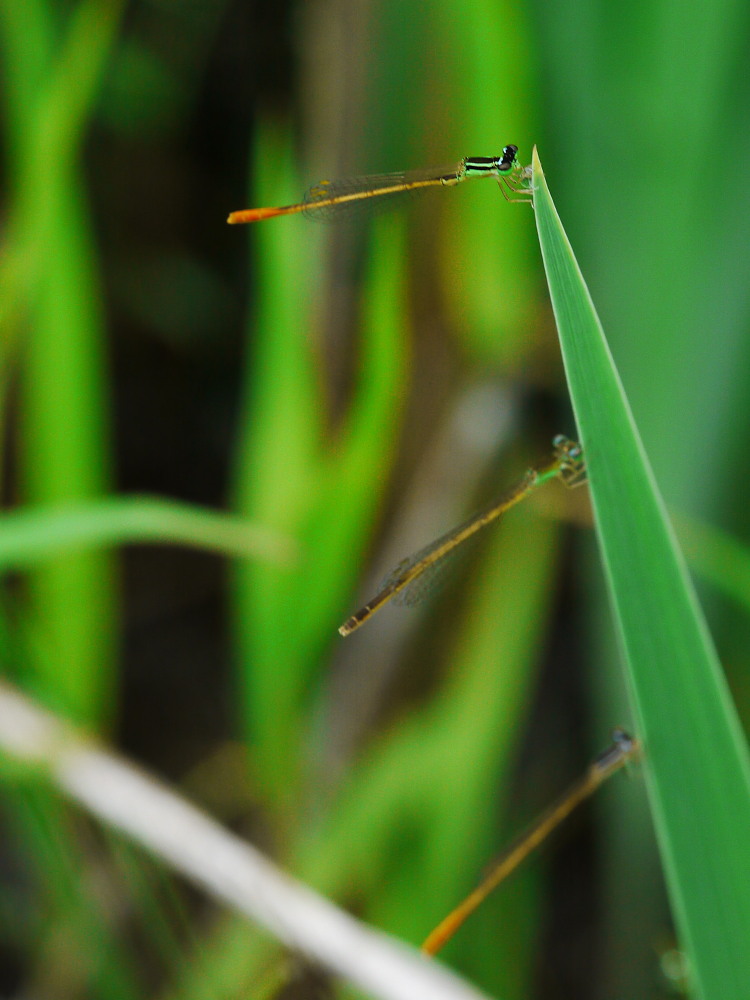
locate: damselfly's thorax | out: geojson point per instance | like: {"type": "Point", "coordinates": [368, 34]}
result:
{"type": "Point", "coordinates": [492, 165]}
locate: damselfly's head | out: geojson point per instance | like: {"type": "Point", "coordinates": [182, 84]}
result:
{"type": "Point", "coordinates": [508, 160]}
{"type": "Point", "coordinates": [569, 455]}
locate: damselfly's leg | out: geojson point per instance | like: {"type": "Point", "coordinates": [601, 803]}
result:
{"type": "Point", "coordinates": [527, 194]}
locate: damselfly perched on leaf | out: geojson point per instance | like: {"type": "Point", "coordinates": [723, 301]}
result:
{"type": "Point", "coordinates": [327, 198]}
{"type": "Point", "coordinates": [405, 583]}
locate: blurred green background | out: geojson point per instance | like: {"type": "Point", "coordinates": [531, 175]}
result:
{"type": "Point", "coordinates": [357, 389]}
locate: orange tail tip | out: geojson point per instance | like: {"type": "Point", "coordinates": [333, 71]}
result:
{"type": "Point", "coordinates": [251, 215]}
{"type": "Point", "coordinates": [256, 214]}
{"type": "Point", "coordinates": [439, 937]}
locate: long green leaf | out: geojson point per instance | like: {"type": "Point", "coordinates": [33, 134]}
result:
{"type": "Point", "coordinates": [63, 403]}
{"type": "Point", "coordinates": [696, 760]}
{"type": "Point", "coordinates": [34, 535]}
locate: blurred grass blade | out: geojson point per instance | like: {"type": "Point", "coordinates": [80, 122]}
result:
{"type": "Point", "coordinates": [63, 398]}
{"type": "Point", "coordinates": [34, 535]}
{"type": "Point", "coordinates": [293, 474]}
{"type": "Point", "coordinates": [718, 557]}
{"type": "Point", "coordinates": [47, 112]}
{"type": "Point", "coordinates": [492, 327]}
{"type": "Point", "coordinates": [696, 757]}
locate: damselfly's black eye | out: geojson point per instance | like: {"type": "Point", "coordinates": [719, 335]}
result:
{"type": "Point", "coordinates": [509, 157]}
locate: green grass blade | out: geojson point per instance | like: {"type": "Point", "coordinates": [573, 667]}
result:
{"type": "Point", "coordinates": [64, 457]}
{"type": "Point", "coordinates": [63, 395]}
{"type": "Point", "coordinates": [276, 472]}
{"type": "Point", "coordinates": [717, 557]}
{"type": "Point", "coordinates": [696, 760]}
{"type": "Point", "coordinates": [294, 475]}
{"type": "Point", "coordinates": [44, 142]}
{"type": "Point", "coordinates": [33, 535]}
{"type": "Point", "coordinates": [487, 34]}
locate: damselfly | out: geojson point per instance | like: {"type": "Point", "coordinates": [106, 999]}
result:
{"type": "Point", "coordinates": [328, 197]}
{"type": "Point", "coordinates": [623, 749]}
{"type": "Point", "coordinates": [566, 463]}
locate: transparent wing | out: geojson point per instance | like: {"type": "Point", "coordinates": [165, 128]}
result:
{"type": "Point", "coordinates": [435, 563]}
{"type": "Point", "coordinates": [435, 574]}
{"type": "Point", "coordinates": [328, 199]}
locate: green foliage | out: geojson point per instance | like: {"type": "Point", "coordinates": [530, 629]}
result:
{"type": "Point", "coordinates": [290, 476]}
{"type": "Point", "coordinates": [696, 755]}
{"type": "Point", "coordinates": [388, 768]}
{"type": "Point", "coordinates": [30, 536]}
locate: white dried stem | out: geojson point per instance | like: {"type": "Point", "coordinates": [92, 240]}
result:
{"type": "Point", "coordinates": [120, 794]}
